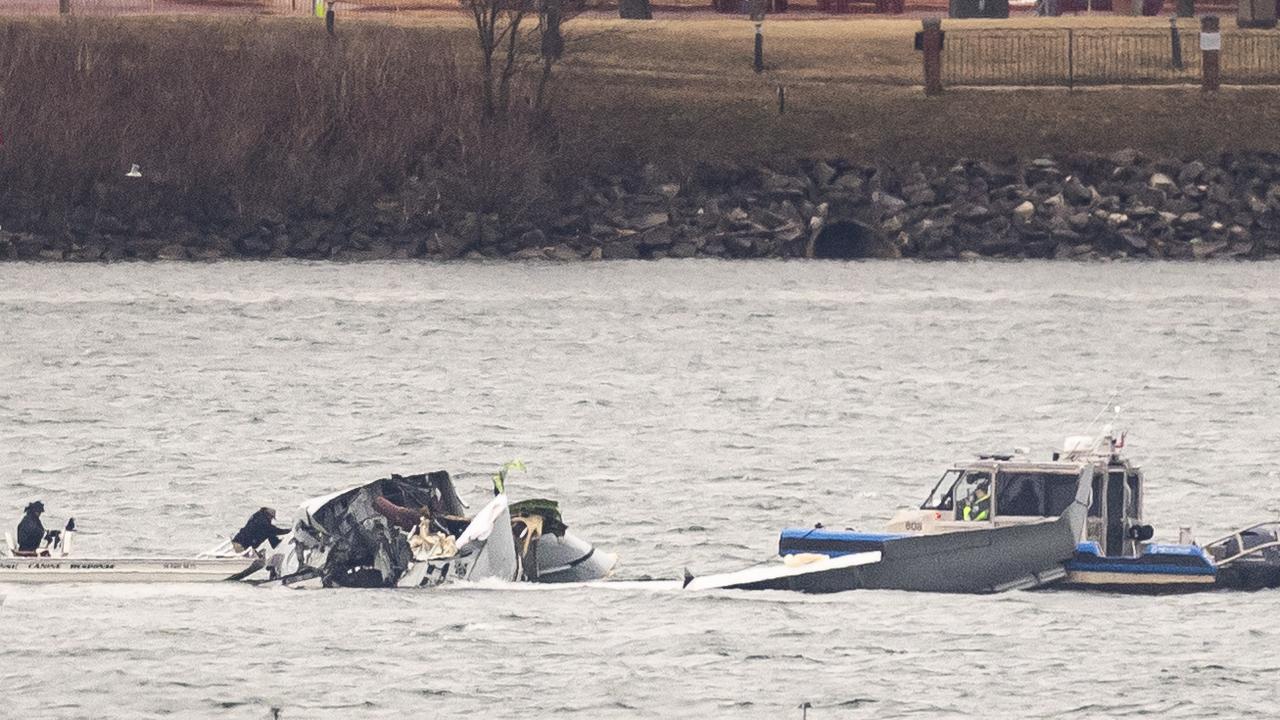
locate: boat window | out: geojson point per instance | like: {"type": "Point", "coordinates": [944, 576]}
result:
{"type": "Point", "coordinates": [1034, 494]}
{"type": "Point", "coordinates": [1095, 499]}
{"type": "Point", "coordinates": [1059, 493]}
{"type": "Point", "coordinates": [966, 491]}
{"type": "Point", "coordinates": [1133, 499]}
{"type": "Point", "coordinates": [942, 497]}
{"type": "Point", "coordinates": [1019, 494]}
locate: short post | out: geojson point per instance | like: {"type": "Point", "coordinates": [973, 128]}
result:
{"type": "Point", "coordinates": [329, 16]}
{"type": "Point", "coordinates": [64, 7]}
{"type": "Point", "coordinates": [931, 44]}
{"type": "Point", "coordinates": [782, 99]}
{"type": "Point", "coordinates": [1210, 49]}
{"type": "Point", "coordinates": [757, 10]}
{"type": "Point", "coordinates": [1175, 43]}
{"type": "Point", "coordinates": [759, 58]}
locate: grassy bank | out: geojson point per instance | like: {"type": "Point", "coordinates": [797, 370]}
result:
{"type": "Point", "coordinates": [270, 113]}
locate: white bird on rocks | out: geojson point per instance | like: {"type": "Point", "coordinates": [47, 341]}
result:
{"type": "Point", "coordinates": [134, 172]}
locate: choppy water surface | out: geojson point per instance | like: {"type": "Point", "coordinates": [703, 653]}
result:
{"type": "Point", "coordinates": [682, 412]}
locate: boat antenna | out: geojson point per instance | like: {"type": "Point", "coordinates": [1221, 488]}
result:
{"type": "Point", "coordinates": [1106, 407]}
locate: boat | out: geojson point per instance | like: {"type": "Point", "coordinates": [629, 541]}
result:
{"type": "Point", "coordinates": [1033, 520]}
{"type": "Point", "coordinates": [56, 564]}
{"type": "Point", "coordinates": [1116, 555]}
{"type": "Point", "coordinates": [413, 531]}
{"type": "Point", "coordinates": [936, 548]}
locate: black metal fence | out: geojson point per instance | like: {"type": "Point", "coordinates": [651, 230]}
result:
{"type": "Point", "coordinates": [1102, 56]}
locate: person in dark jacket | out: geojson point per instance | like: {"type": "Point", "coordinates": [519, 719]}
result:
{"type": "Point", "coordinates": [31, 530]}
{"type": "Point", "coordinates": [259, 529]}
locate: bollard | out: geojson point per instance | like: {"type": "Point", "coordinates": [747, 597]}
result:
{"type": "Point", "coordinates": [759, 58]}
{"type": "Point", "coordinates": [1210, 49]}
{"type": "Point", "coordinates": [931, 44]}
{"type": "Point", "coordinates": [329, 17]}
{"type": "Point", "coordinates": [64, 7]}
{"type": "Point", "coordinates": [782, 99]}
{"type": "Point", "coordinates": [1175, 43]}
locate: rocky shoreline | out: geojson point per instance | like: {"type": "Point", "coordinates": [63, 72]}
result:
{"type": "Point", "coordinates": [1079, 206]}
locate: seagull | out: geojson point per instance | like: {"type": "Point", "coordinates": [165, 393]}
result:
{"type": "Point", "coordinates": [134, 172]}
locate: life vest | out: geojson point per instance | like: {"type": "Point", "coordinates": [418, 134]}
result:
{"type": "Point", "coordinates": [978, 510]}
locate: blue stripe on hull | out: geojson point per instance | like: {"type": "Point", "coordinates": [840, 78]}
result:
{"type": "Point", "coordinates": [1139, 569]}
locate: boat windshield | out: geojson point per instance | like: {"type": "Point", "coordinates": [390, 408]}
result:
{"type": "Point", "coordinates": [942, 497]}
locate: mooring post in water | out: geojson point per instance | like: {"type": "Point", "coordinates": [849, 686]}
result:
{"type": "Point", "coordinates": [1210, 49]}
{"type": "Point", "coordinates": [931, 45]}
{"type": "Point", "coordinates": [1175, 42]}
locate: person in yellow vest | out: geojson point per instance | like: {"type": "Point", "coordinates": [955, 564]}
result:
{"type": "Point", "coordinates": [977, 506]}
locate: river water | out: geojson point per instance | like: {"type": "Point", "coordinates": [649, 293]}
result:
{"type": "Point", "coordinates": [682, 412]}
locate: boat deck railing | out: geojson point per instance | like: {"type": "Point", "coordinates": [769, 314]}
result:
{"type": "Point", "coordinates": [1272, 528]}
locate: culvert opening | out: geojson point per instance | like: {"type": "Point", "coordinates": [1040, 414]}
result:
{"type": "Point", "coordinates": [847, 240]}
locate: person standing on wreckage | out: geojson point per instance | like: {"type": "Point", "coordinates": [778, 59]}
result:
{"type": "Point", "coordinates": [260, 528]}
{"type": "Point", "coordinates": [30, 529]}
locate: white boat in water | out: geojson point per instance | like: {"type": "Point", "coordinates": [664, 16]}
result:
{"type": "Point", "coordinates": [56, 564]}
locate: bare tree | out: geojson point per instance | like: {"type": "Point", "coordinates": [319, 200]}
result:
{"type": "Point", "coordinates": [513, 37]}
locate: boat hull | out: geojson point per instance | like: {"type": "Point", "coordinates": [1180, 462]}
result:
{"type": "Point", "coordinates": [1165, 569]}
{"type": "Point", "coordinates": [972, 561]}
{"type": "Point", "coordinates": [982, 560]}
{"type": "Point", "coordinates": [41, 570]}
{"type": "Point", "coordinates": [1159, 570]}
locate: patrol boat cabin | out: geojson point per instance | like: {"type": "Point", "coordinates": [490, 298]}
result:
{"type": "Point", "coordinates": [1114, 551]}
{"type": "Point", "coordinates": [1112, 554]}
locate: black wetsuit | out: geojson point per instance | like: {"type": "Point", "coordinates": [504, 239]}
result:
{"type": "Point", "coordinates": [259, 529]}
{"type": "Point", "coordinates": [30, 533]}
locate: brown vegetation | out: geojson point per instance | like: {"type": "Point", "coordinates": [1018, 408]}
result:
{"type": "Point", "coordinates": [249, 116]}
{"type": "Point", "coordinates": [231, 118]}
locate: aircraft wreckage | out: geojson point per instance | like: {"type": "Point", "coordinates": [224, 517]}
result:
{"type": "Point", "coordinates": [413, 531]}
{"type": "Point", "coordinates": [398, 531]}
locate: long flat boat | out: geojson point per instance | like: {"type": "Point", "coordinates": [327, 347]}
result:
{"type": "Point", "coordinates": [34, 570]}
{"type": "Point", "coordinates": [56, 564]}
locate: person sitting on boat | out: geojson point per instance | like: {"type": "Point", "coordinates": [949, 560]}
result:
{"type": "Point", "coordinates": [260, 528]}
{"type": "Point", "coordinates": [977, 506]}
{"type": "Point", "coordinates": [30, 529]}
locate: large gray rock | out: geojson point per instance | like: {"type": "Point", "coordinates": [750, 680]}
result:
{"type": "Point", "coordinates": [621, 249]}
{"type": "Point", "coordinates": [448, 246]}
{"type": "Point", "coordinates": [888, 204]}
{"type": "Point", "coordinates": [1191, 172]}
{"type": "Point", "coordinates": [1076, 192]}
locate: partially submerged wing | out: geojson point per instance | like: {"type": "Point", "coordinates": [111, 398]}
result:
{"type": "Point", "coordinates": [777, 577]}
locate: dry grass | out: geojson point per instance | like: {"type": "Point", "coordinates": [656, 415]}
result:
{"type": "Point", "coordinates": [685, 89]}
{"type": "Point", "coordinates": [238, 116]}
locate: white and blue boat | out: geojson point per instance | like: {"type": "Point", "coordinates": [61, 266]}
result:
{"type": "Point", "coordinates": [1003, 522]}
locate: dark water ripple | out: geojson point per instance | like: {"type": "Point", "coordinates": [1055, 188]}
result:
{"type": "Point", "coordinates": [682, 412]}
